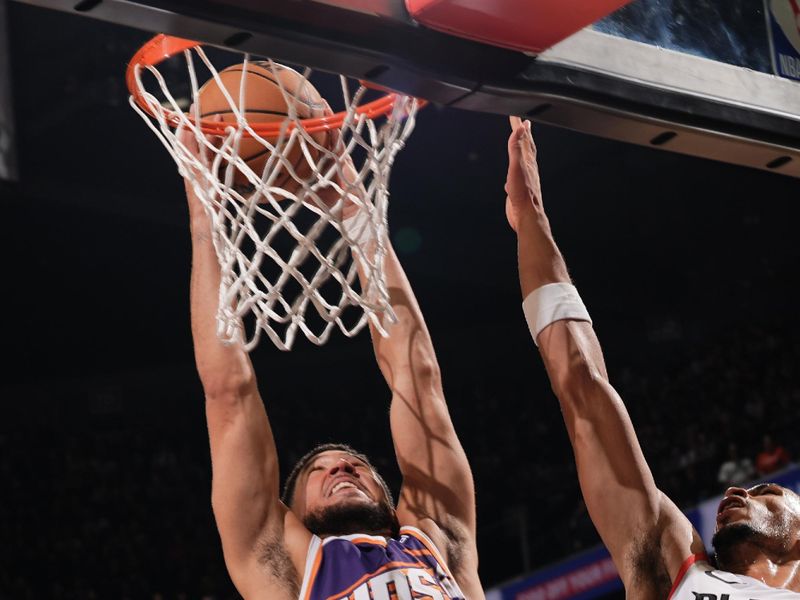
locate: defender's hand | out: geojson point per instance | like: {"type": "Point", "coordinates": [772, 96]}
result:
{"type": "Point", "coordinates": [540, 261]}
{"type": "Point", "coordinates": [524, 199]}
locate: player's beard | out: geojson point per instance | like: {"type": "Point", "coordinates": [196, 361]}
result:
{"type": "Point", "coordinates": [730, 537]}
{"type": "Point", "coordinates": [349, 518]}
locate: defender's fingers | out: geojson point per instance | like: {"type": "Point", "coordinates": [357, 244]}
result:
{"type": "Point", "coordinates": [514, 141]}
{"type": "Point", "coordinates": [526, 143]}
{"type": "Point", "coordinates": [514, 156]}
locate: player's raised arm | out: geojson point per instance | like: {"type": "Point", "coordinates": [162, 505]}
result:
{"type": "Point", "coordinates": [648, 537]}
{"type": "Point", "coordinates": [245, 496]}
{"type": "Point", "coordinates": [437, 494]}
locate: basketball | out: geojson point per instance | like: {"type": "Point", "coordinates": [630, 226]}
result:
{"type": "Point", "coordinates": [265, 102]}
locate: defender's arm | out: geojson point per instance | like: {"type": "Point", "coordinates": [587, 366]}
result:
{"type": "Point", "coordinates": [630, 513]}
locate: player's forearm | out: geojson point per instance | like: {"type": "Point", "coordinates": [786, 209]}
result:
{"type": "Point", "coordinates": [427, 460]}
{"type": "Point", "coordinates": [612, 470]}
{"type": "Point", "coordinates": [611, 467]}
{"type": "Point", "coordinates": [540, 260]}
{"type": "Point", "coordinates": [408, 363]}
{"type": "Point", "coordinates": [224, 370]}
{"type": "Point", "coordinates": [596, 418]}
{"type": "Point", "coordinates": [407, 354]}
{"type": "Point", "coordinates": [245, 482]}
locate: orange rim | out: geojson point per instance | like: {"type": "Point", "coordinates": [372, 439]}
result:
{"type": "Point", "coordinates": [162, 46]}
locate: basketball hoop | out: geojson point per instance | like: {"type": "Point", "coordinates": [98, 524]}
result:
{"type": "Point", "coordinates": [294, 196]}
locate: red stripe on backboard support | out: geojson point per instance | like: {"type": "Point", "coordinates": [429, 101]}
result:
{"type": "Point", "coordinates": [527, 25]}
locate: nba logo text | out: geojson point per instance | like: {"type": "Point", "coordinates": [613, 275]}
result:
{"type": "Point", "coordinates": [783, 23]}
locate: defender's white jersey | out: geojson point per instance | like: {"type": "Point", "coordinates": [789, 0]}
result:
{"type": "Point", "coordinates": [697, 580]}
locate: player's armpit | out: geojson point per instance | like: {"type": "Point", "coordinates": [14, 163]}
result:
{"type": "Point", "coordinates": [677, 534]}
{"type": "Point", "coordinates": [274, 570]}
{"type": "Point", "coordinates": [628, 510]}
{"type": "Point", "coordinates": [264, 548]}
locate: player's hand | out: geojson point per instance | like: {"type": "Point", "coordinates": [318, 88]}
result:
{"type": "Point", "coordinates": [346, 179]}
{"type": "Point", "coordinates": [202, 157]}
{"type": "Point", "coordinates": [540, 261]}
{"type": "Point", "coordinates": [523, 188]}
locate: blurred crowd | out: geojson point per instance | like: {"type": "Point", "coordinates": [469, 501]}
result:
{"type": "Point", "coordinates": [115, 504]}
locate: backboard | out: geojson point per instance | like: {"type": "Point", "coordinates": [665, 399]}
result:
{"type": "Point", "coordinates": [710, 78]}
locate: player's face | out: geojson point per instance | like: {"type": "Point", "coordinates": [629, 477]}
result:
{"type": "Point", "coordinates": [336, 478]}
{"type": "Point", "coordinates": [767, 509]}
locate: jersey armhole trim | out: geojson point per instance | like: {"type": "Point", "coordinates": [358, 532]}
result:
{"type": "Point", "coordinates": [682, 572]}
{"type": "Point", "coordinates": [428, 543]}
{"type": "Point", "coordinates": [357, 538]}
{"type": "Point", "coordinates": [313, 560]}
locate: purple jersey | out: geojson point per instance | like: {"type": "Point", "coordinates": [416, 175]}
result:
{"type": "Point", "coordinates": [368, 567]}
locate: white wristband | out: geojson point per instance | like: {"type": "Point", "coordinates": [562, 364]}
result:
{"type": "Point", "coordinates": [550, 303]}
{"type": "Point", "coordinates": [359, 228]}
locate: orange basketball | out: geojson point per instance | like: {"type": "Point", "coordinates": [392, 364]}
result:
{"type": "Point", "coordinates": [264, 102]}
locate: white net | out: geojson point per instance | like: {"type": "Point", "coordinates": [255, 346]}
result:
{"type": "Point", "coordinates": [291, 229]}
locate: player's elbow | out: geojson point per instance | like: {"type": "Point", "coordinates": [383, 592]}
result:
{"type": "Point", "coordinates": [227, 378]}
{"type": "Point", "coordinates": [577, 382]}
{"type": "Point", "coordinates": [426, 370]}
{"type": "Point", "coordinates": [226, 387]}
{"type": "Point", "coordinates": [424, 366]}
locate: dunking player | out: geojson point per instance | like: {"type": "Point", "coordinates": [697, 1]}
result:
{"type": "Point", "coordinates": [654, 546]}
{"type": "Point", "coordinates": [337, 534]}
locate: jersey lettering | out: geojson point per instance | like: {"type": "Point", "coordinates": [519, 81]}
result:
{"type": "Point", "coordinates": [423, 584]}
{"type": "Point", "coordinates": [400, 584]}
{"type": "Point", "coordinates": [366, 567]}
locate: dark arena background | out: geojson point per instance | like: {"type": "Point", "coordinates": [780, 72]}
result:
{"type": "Point", "coordinates": [688, 266]}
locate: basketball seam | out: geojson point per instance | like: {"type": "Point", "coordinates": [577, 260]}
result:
{"type": "Point", "coordinates": [258, 111]}
{"type": "Point", "coordinates": [276, 83]}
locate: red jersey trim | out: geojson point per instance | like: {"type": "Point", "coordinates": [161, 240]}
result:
{"type": "Point", "coordinates": [684, 568]}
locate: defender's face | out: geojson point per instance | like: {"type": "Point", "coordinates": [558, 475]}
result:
{"type": "Point", "coordinates": [334, 478]}
{"type": "Point", "coordinates": [767, 508]}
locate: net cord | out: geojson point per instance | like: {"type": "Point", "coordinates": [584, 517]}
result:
{"type": "Point", "coordinates": [244, 288]}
